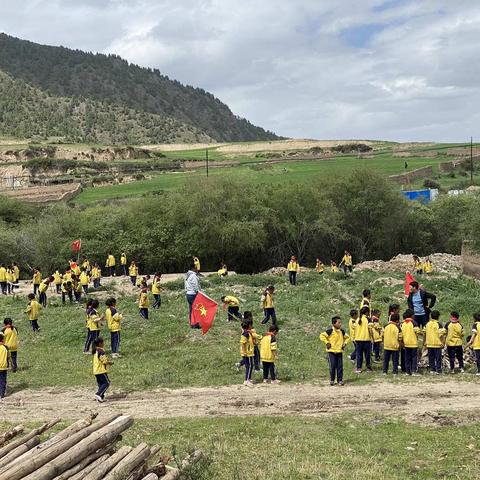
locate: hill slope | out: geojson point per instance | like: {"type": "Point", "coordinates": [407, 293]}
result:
{"type": "Point", "coordinates": [61, 72]}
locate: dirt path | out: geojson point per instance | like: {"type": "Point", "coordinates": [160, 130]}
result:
{"type": "Point", "coordinates": [421, 401]}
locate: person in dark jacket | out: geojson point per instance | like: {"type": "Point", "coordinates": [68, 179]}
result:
{"type": "Point", "coordinates": [421, 302]}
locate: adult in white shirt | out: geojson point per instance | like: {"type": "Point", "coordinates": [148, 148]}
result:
{"type": "Point", "coordinates": [192, 287]}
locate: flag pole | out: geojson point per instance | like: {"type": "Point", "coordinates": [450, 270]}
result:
{"type": "Point", "coordinates": [78, 252]}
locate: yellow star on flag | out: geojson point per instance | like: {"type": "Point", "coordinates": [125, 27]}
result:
{"type": "Point", "coordinates": [203, 311]}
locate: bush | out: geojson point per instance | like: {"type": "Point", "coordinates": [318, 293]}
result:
{"type": "Point", "coordinates": [429, 183]}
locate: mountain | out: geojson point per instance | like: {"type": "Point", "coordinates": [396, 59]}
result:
{"type": "Point", "coordinates": [56, 91]}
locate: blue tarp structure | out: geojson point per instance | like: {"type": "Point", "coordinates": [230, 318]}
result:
{"type": "Point", "coordinates": [422, 196]}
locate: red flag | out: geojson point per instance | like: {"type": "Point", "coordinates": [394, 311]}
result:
{"type": "Point", "coordinates": [204, 310]}
{"type": "Point", "coordinates": [76, 245]}
{"type": "Point", "coordinates": [408, 279]}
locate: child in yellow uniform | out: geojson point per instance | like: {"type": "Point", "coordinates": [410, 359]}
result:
{"type": "Point", "coordinates": [10, 336]}
{"type": "Point", "coordinates": [335, 339]}
{"type": "Point", "coordinates": [113, 319]}
{"type": "Point", "coordinates": [86, 265]}
{"type": "Point", "coordinates": [84, 280]}
{"type": "Point", "coordinates": [347, 263]}
{"type": "Point", "coordinates": [110, 264]}
{"type": "Point", "coordinates": [10, 280]}
{"type": "Point", "coordinates": [377, 334]}
{"type": "Point", "coordinates": [474, 342]}
{"type": "Point", "coordinates": [3, 367]}
{"type": "Point", "coordinates": [96, 275]}
{"type": "Point", "coordinates": [232, 304]}
{"type": "Point", "coordinates": [427, 266]}
{"type": "Point", "coordinates": [268, 306]}
{"type": "Point", "coordinates": [247, 352]}
{"type": "Point", "coordinates": [57, 280]}
{"type": "Point", "coordinates": [133, 272]}
{"type": "Point", "coordinates": [223, 270]}
{"type": "Point", "coordinates": [418, 265]}
{"type": "Point", "coordinates": [454, 341]}
{"type": "Point", "coordinates": [392, 337]}
{"type": "Point", "coordinates": [3, 279]}
{"type": "Point", "coordinates": [157, 290]}
{"type": "Point", "coordinates": [42, 291]}
{"type": "Point", "coordinates": [269, 354]}
{"type": "Point", "coordinates": [36, 280]}
{"type": "Point", "coordinates": [93, 325]}
{"type": "Point", "coordinates": [366, 300]}
{"type": "Point", "coordinates": [67, 291]}
{"type": "Point", "coordinates": [16, 274]}
{"type": "Point", "coordinates": [123, 263]}
{"type": "Point", "coordinates": [196, 262]}
{"type": "Point", "coordinates": [33, 312]}
{"type": "Point", "coordinates": [143, 303]}
{"type": "Point", "coordinates": [363, 339]}
{"type": "Point", "coordinates": [77, 288]}
{"type": "Point", "coordinates": [100, 368]}
{"type": "Point", "coordinates": [319, 267]}
{"type": "Point", "coordinates": [410, 332]}
{"type": "Point", "coordinates": [351, 332]}
{"type": "Point", "coordinates": [293, 268]}
{"type": "Point", "coordinates": [333, 267]}
{"type": "Point", "coordinates": [434, 333]}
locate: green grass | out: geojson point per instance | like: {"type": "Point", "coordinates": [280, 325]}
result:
{"type": "Point", "coordinates": [165, 352]}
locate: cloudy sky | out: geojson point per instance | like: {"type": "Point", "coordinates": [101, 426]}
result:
{"type": "Point", "coordinates": [378, 69]}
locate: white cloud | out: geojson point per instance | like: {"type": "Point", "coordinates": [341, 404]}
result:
{"type": "Point", "coordinates": [401, 69]}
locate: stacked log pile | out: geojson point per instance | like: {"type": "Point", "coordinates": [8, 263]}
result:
{"type": "Point", "coordinates": [84, 451]}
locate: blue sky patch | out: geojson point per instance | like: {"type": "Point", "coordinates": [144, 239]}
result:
{"type": "Point", "coordinates": [360, 36]}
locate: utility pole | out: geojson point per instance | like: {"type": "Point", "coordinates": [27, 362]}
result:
{"type": "Point", "coordinates": [206, 159]}
{"type": "Point", "coordinates": [471, 160]}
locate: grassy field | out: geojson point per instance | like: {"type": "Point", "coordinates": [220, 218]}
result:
{"type": "Point", "coordinates": [164, 352]}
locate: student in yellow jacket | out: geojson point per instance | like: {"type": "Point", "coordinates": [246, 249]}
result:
{"type": "Point", "coordinates": [351, 332]}
{"type": "Point", "coordinates": [143, 303]}
{"type": "Point", "coordinates": [100, 368]}
{"type": "Point", "coordinates": [319, 266]}
{"type": "Point", "coordinates": [410, 332]}
{"type": "Point", "coordinates": [3, 279]}
{"type": "Point", "coordinates": [269, 354]}
{"type": "Point", "coordinates": [10, 280]}
{"type": "Point", "coordinates": [347, 263]}
{"type": "Point", "coordinates": [113, 318]}
{"type": "Point", "coordinates": [427, 265]}
{"type": "Point", "coordinates": [434, 333]}
{"type": "Point", "coordinates": [86, 265]}
{"type": "Point", "coordinates": [16, 275]}
{"type": "Point", "coordinates": [454, 341]}
{"type": "Point", "coordinates": [33, 312]}
{"type": "Point", "coordinates": [3, 367]}
{"type": "Point", "coordinates": [110, 264]}
{"type": "Point", "coordinates": [366, 300]}
{"type": "Point", "coordinates": [42, 291]}
{"type": "Point", "coordinates": [474, 341]}
{"type": "Point", "coordinates": [268, 305]}
{"type": "Point", "coordinates": [196, 263]}
{"type": "Point", "coordinates": [96, 273]}
{"type": "Point", "coordinates": [335, 340]}
{"type": "Point", "coordinates": [84, 281]}
{"type": "Point", "coordinates": [377, 334]}
{"type": "Point", "coordinates": [93, 322]}
{"type": "Point", "coordinates": [363, 339]}
{"type": "Point", "coordinates": [57, 280]}
{"type": "Point", "coordinates": [247, 351]}
{"type": "Point", "coordinates": [157, 290]}
{"type": "Point", "coordinates": [123, 263]}
{"type": "Point", "coordinates": [418, 264]}
{"type": "Point", "coordinates": [10, 335]}
{"type": "Point", "coordinates": [232, 304]}
{"type": "Point", "coordinates": [133, 272]}
{"type": "Point", "coordinates": [391, 343]}
{"type": "Point", "coordinates": [36, 280]}
{"type": "Point", "coordinates": [293, 268]}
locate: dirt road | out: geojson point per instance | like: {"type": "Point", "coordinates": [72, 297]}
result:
{"type": "Point", "coordinates": [424, 400]}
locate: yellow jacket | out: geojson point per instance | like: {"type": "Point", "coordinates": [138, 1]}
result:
{"type": "Point", "coordinates": [433, 334]}
{"type": "Point", "coordinates": [110, 261]}
{"type": "Point", "coordinates": [336, 337]}
{"type": "Point", "coordinates": [133, 270]}
{"type": "Point", "coordinates": [268, 348]}
{"type": "Point", "coordinates": [113, 320]}
{"type": "Point", "coordinates": [37, 278]}
{"type": "Point", "coordinates": [363, 329]}
{"type": "Point", "coordinates": [96, 272]}
{"type": "Point", "coordinates": [409, 333]}
{"type": "Point", "coordinates": [123, 259]}
{"type": "Point", "coordinates": [156, 288]}
{"type": "Point", "coordinates": [3, 357]}
{"type": "Point", "coordinates": [16, 272]}
{"type": "Point", "coordinates": [347, 260]}
{"type": "Point", "coordinates": [10, 338]}
{"type": "Point", "coordinates": [366, 303]}
{"type": "Point", "coordinates": [351, 329]}
{"type": "Point", "coordinates": [100, 362]}
{"type": "Point", "coordinates": [57, 278]}
{"type": "Point", "coordinates": [377, 331]}
{"type": "Point", "coordinates": [143, 301]}
{"type": "Point", "coordinates": [476, 332]}
{"type": "Point", "coordinates": [93, 321]}
{"type": "Point", "coordinates": [247, 344]}
{"type": "Point", "coordinates": [267, 300]}
{"type": "Point", "coordinates": [319, 267]}
{"type": "Point", "coordinates": [231, 301]}
{"type": "Point", "coordinates": [84, 279]}
{"type": "Point", "coordinates": [196, 262]}
{"type": "Point", "coordinates": [3, 274]}
{"type": "Point", "coordinates": [33, 310]}
{"type": "Point", "coordinates": [293, 267]}
{"type": "Point", "coordinates": [428, 267]}
{"type": "Point", "coordinates": [454, 334]}
{"type": "Point", "coordinates": [391, 337]}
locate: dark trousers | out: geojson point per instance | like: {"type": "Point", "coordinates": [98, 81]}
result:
{"type": "Point", "coordinates": [13, 361]}
{"type": "Point", "coordinates": [144, 313]}
{"type": "Point", "coordinates": [269, 313]}
{"type": "Point", "coordinates": [68, 294]}
{"type": "Point", "coordinates": [292, 278]}
{"type": "Point", "coordinates": [3, 286]}
{"type": "Point", "coordinates": [85, 289]}
{"type": "Point", "coordinates": [35, 288]}
{"type": "Point", "coordinates": [353, 355]}
{"type": "Point", "coordinates": [390, 355]}
{"type": "Point", "coordinates": [403, 367]}
{"type": "Point", "coordinates": [190, 299]}
{"type": "Point", "coordinates": [3, 383]}
{"type": "Point", "coordinates": [455, 352]}
{"type": "Point", "coordinates": [477, 359]}
{"type": "Point", "coordinates": [268, 370]}
{"type": "Point", "coordinates": [115, 341]}
{"type": "Point", "coordinates": [233, 313]}
{"type": "Point", "coordinates": [111, 271]}
{"type": "Point", "coordinates": [411, 360]}
{"type": "Point", "coordinates": [335, 362]}
{"type": "Point", "coordinates": [376, 350]}
{"type": "Point", "coordinates": [96, 283]}
{"type": "Point", "coordinates": [364, 349]}
{"type": "Point", "coordinates": [158, 300]}
{"type": "Point", "coordinates": [91, 336]}
{"type": "Point", "coordinates": [133, 279]}
{"type": "Point", "coordinates": [248, 367]}
{"type": "Point", "coordinates": [124, 270]}
{"type": "Point", "coordinates": [59, 287]}
{"type": "Point", "coordinates": [42, 299]}
{"type": "Point", "coordinates": [34, 324]}
{"type": "Point", "coordinates": [78, 296]}
{"type": "Point", "coordinates": [103, 383]}
{"type": "Point", "coordinates": [347, 269]}
{"type": "Point", "coordinates": [435, 359]}
{"type": "Point", "coordinates": [421, 320]}
{"type": "Point", "coordinates": [256, 358]}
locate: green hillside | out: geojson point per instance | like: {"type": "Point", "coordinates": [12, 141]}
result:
{"type": "Point", "coordinates": [111, 90]}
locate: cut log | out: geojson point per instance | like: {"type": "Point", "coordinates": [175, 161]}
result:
{"type": "Point", "coordinates": [99, 472]}
{"type": "Point", "coordinates": [37, 431]}
{"type": "Point", "coordinates": [134, 459]}
{"type": "Point", "coordinates": [79, 450]}
{"type": "Point", "coordinates": [20, 450]}
{"type": "Point", "coordinates": [150, 476]}
{"type": "Point", "coordinates": [103, 453]}
{"type": "Point", "coordinates": [138, 473]}
{"type": "Point", "coordinates": [88, 468]}
{"type": "Point", "coordinates": [187, 464]}
{"type": "Point", "coordinates": [22, 469]}
{"type": "Point", "coordinates": [74, 428]}
{"type": "Point", "coordinates": [7, 436]}
{"type": "Point", "coordinates": [158, 469]}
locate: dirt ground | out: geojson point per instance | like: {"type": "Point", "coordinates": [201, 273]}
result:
{"type": "Point", "coordinates": [424, 401]}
